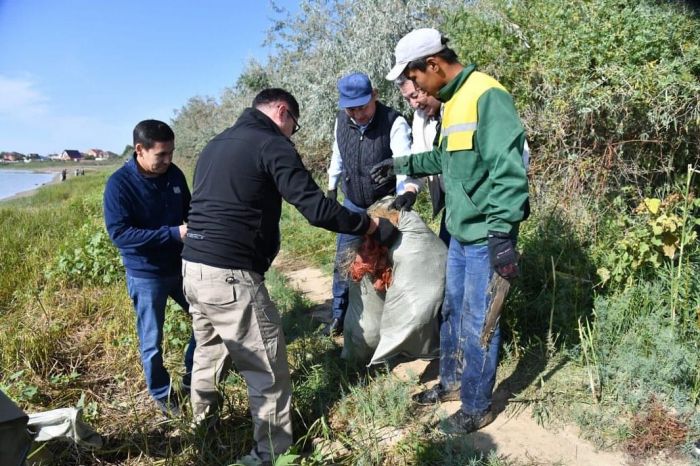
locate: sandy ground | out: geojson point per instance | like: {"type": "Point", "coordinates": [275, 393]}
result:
{"type": "Point", "coordinates": [513, 435]}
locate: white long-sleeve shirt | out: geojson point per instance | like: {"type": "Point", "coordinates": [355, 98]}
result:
{"type": "Point", "coordinates": [400, 143]}
{"type": "Point", "coordinates": [424, 132]}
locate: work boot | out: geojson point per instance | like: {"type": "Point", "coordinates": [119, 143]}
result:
{"type": "Point", "coordinates": [437, 394]}
{"type": "Point", "coordinates": [463, 423]}
{"type": "Point", "coordinates": [169, 406]}
{"type": "Point", "coordinates": [334, 329]}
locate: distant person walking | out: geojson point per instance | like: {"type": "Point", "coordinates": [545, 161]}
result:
{"type": "Point", "coordinates": [145, 207]}
{"type": "Point", "coordinates": [64, 174]}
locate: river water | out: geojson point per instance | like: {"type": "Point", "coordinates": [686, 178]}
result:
{"type": "Point", "coordinates": [16, 181]}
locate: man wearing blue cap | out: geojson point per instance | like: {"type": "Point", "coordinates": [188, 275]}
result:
{"type": "Point", "coordinates": [366, 133]}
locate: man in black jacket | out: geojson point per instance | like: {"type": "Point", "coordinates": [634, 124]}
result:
{"type": "Point", "coordinates": [232, 238]}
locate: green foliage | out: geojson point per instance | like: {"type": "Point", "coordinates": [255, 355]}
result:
{"type": "Point", "coordinates": [648, 238]}
{"type": "Point", "coordinates": [314, 48]}
{"type": "Point", "coordinates": [640, 354]}
{"type": "Point", "coordinates": [555, 287]}
{"type": "Point", "coordinates": [608, 89]}
{"type": "Point", "coordinates": [177, 329]}
{"type": "Point", "coordinates": [87, 257]}
{"type": "Point", "coordinates": [18, 389]}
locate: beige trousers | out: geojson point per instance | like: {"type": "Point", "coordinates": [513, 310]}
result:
{"type": "Point", "coordinates": [233, 316]}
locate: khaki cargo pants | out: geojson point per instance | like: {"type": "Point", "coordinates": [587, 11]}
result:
{"type": "Point", "coordinates": [232, 315]}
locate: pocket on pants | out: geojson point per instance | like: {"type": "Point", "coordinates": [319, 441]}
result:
{"type": "Point", "coordinates": [265, 309]}
{"type": "Point", "coordinates": [217, 294]}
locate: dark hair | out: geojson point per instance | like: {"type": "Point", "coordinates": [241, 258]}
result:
{"type": "Point", "coordinates": [275, 94]}
{"type": "Point", "coordinates": [446, 54]}
{"type": "Point", "coordinates": [148, 132]}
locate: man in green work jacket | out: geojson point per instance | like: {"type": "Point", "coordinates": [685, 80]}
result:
{"type": "Point", "coordinates": [480, 157]}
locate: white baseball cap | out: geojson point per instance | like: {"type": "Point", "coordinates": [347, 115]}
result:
{"type": "Point", "coordinates": [419, 43]}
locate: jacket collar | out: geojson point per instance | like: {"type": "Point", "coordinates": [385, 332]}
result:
{"type": "Point", "coordinates": [254, 117]}
{"type": "Point", "coordinates": [449, 89]}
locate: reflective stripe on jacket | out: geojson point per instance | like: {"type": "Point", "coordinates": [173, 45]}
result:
{"type": "Point", "coordinates": [460, 119]}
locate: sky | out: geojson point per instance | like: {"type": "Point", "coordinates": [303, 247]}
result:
{"type": "Point", "coordinates": [79, 74]}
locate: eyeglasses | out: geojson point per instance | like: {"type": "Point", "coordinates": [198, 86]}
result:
{"type": "Point", "coordinates": [296, 123]}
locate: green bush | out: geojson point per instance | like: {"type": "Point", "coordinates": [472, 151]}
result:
{"type": "Point", "coordinates": [87, 257]}
{"type": "Point", "coordinates": [609, 89]}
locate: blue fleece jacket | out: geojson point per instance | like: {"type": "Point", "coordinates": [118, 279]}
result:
{"type": "Point", "coordinates": [143, 215]}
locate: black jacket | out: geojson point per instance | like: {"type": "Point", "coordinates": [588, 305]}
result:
{"type": "Point", "coordinates": [239, 182]}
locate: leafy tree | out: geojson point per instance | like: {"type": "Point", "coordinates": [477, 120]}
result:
{"type": "Point", "coordinates": [314, 48]}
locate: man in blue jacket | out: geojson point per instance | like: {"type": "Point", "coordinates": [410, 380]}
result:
{"type": "Point", "coordinates": [145, 207]}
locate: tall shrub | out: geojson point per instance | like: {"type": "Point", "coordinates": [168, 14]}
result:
{"type": "Point", "coordinates": [314, 48]}
{"type": "Point", "coordinates": [609, 89]}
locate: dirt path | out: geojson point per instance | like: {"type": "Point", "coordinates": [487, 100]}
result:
{"type": "Point", "coordinates": [515, 436]}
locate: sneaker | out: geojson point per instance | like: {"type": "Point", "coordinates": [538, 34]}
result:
{"type": "Point", "coordinates": [254, 459]}
{"type": "Point", "coordinates": [437, 394]}
{"type": "Point", "coordinates": [461, 422]}
{"type": "Point", "coordinates": [169, 406]}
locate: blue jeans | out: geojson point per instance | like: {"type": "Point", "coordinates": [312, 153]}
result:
{"type": "Point", "coordinates": [463, 364]}
{"type": "Point", "coordinates": [149, 296]}
{"type": "Point", "coordinates": [343, 244]}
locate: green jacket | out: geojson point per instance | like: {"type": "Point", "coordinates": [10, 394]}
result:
{"type": "Point", "coordinates": [486, 187]}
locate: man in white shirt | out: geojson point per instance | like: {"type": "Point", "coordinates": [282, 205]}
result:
{"type": "Point", "coordinates": [425, 129]}
{"type": "Point", "coordinates": [366, 132]}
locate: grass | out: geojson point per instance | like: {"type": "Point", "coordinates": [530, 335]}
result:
{"type": "Point", "coordinates": [67, 338]}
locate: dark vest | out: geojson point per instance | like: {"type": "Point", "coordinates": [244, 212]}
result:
{"type": "Point", "coordinates": [360, 152]}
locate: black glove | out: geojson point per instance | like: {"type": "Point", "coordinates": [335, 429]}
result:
{"type": "Point", "coordinates": [404, 201]}
{"type": "Point", "coordinates": [504, 258]}
{"type": "Point", "coordinates": [332, 194]}
{"type": "Point", "coordinates": [383, 171]}
{"type": "Point", "coordinates": [386, 233]}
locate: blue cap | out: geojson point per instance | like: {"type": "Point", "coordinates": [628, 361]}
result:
{"type": "Point", "coordinates": [355, 90]}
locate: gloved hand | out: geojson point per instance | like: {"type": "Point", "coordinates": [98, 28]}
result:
{"type": "Point", "coordinates": [404, 201]}
{"type": "Point", "coordinates": [386, 233]}
{"type": "Point", "coordinates": [504, 258]}
{"type": "Point", "coordinates": [383, 171]}
{"type": "Point", "coordinates": [332, 194]}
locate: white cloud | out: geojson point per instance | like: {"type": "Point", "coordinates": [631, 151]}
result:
{"type": "Point", "coordinates": [29, 122]}
{"type": "Point", "coordinates": [20, 98]}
